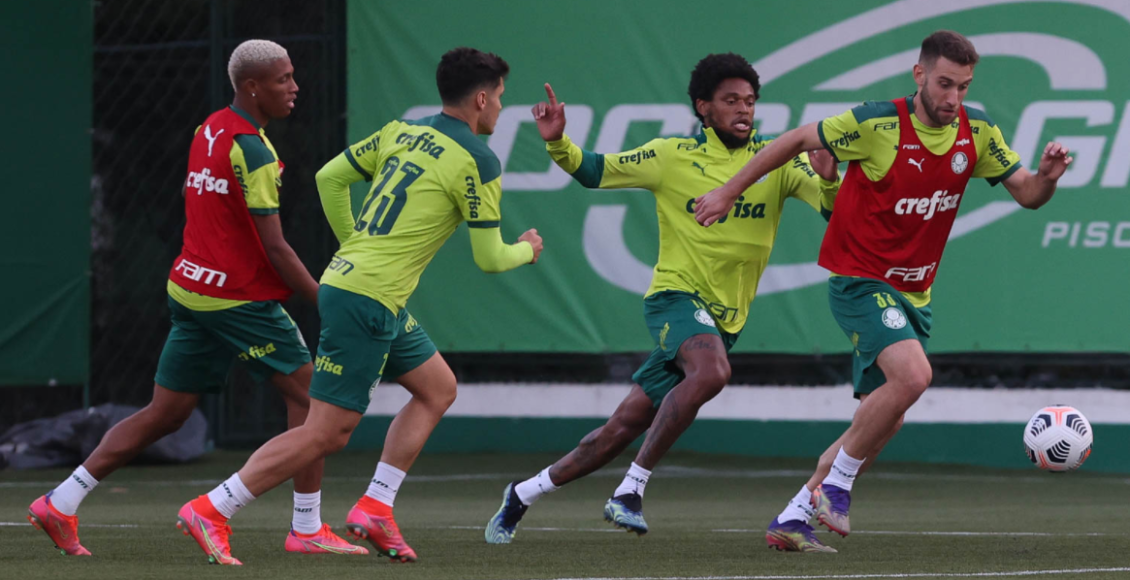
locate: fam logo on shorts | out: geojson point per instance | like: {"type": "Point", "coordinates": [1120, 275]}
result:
{"type": "Point", "coordinates": [893, 318]}
{"type": "Point", "coordinates": [959, 163]}
{"type": "Point", "coordinates": [704, 317]}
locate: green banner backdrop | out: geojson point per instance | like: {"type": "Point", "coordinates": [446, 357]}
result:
{"type": "Point", "coordinates": [1012, 279]}
{"type": "Point", "coordinates": [45, 205]}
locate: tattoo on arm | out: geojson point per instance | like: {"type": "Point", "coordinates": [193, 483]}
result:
{"type": "Point", "coordinates": [701, 344]}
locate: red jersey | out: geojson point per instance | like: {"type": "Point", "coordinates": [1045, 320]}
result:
{"type": "Point", "coordinates": [222, 256]}
{"type": "Point", "coordinates": [896, 229]}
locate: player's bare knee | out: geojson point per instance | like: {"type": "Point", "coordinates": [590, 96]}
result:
{"type": "Point", "coordinates": [441, 396]}
{"type": "Point", "coordinates": [330, 441]}
{"type": "Point", "coordinates": [918, 380]}
{"type": "Point", "coordinates": [618, 431]}
{"type": "Point", "coordinates": [710, 379]}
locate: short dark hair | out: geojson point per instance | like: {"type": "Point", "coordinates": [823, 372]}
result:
{"type": "Point", "coordinates": [952, 45]}
{"type": "Point", "coordinates": [715, 68]}
{"type": "Point", "coordinates": [463, 70]}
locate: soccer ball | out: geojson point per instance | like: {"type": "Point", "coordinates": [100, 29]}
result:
{"type": "Point", "coordinates": [1058, 438]}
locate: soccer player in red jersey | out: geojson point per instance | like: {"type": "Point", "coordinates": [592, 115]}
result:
{"type": "Point", "coordinates": [225, 290]}
{"type": "Point", "coordinates": [910, 161]}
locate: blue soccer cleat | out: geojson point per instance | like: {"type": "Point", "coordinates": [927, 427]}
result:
{"type": "Point", "coordinates": [502, 527]}
{"type": "Point", "coordinates": [626, 512]}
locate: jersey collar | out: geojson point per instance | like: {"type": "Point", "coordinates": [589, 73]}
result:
{"type": "Point", "coordinates": [714, 145]}
{"type": "Point", "coordinates": [246, 116]}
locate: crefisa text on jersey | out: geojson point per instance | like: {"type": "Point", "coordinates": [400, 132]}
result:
{"type": "Point", "coordinates": [425, 142]}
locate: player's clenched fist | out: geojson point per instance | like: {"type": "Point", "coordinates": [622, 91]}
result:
{"type": "Point", "coordinates": [534, 239]}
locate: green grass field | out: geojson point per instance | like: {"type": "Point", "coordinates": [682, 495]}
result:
{"type": "Point", "coordinates": [707, 516]}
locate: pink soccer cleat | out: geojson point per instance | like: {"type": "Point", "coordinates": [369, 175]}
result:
{"type": "Point", "coordinates": [324, 541]}
{"type": "Point", "coordinates": [62, 529]}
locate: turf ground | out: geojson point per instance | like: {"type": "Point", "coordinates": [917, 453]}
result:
{"type": "Point", "coordinates": [707, 515]}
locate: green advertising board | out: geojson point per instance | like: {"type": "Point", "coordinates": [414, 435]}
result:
{"type": "Point", "coordinates": [45, 205]}
{"type": "Point", "coordinates": [1012, 279]}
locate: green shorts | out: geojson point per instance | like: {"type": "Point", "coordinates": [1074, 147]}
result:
{"type": "Point", "coordinates": [201, 345]}
{"type": "Point", "coordinates": [874, 316]}
{"type": "Point", "coordinates": [361, 342]}
{"type": "Point", "coordinates": [672, 317]}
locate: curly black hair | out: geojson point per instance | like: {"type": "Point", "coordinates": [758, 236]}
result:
{"type": "Point", "coordinates": [715, 68]}
{"type": "Point", "coordinates": [463, 70]}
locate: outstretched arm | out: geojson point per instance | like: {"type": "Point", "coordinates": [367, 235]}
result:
{"type": "Point", "coordinates": [815, 180]}
{"type": "Point", "coordinates": [638, 168]}
{"type": "Point", "coordinates": [712, 206]}
{"type": "Point", "coordinates": [1034, 190]}
{"type": "Point", "coordinates": [492, 255]}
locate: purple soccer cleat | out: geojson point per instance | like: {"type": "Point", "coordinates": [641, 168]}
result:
{"type": "Point", "coordinates": [832, 505]}
{"type": "Point", "coordinates": [794, 536]}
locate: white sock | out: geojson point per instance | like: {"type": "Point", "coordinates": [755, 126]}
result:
{"type": "Point", "coordinates": [634, 481]}
{"type": "Point", "coordinates": [307, 512]}
{"type": "Point", "coordinates": [230, 496]}
{"type": "Point", "coordinates": [844, 470]}
{"type": "Point", "coordinates": [799, 508]}
{"type": "Point", "coordinates": [533, 488]}
{"type": "Point", "coordinates": [386, 482]}
{"type": "Point", "coordinates": [72, 491]}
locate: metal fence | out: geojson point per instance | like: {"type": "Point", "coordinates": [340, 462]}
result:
{"type": "Point", "coordinates": [160, 68]}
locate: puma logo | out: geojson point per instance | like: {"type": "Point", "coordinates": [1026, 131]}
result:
{"type": "Point", "coordinates": [699, 167]}
{"type": "Point", "coordinates": [211, 138]}
{"type": "Point", "coordinates": [917, 164]}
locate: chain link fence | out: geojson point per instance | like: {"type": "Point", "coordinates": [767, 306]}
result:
{"type": "Point", "coordinates": [160, 68]}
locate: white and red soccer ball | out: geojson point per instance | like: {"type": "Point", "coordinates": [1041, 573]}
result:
{"type": "Point", "coordinates": [1058, 438]}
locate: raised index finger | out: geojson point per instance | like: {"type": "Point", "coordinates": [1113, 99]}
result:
{"type": "Point", "coordinates": [549, 93]}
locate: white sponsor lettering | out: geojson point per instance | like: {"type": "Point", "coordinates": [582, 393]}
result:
{"type": "Point", "coordinates": [961, 142]}
{"type": "Point", "coordinates": [911, 274]}
{"type": "Point", "coordinates": [1089, 235]}
{"type": "Point", "coordinates": [1068, 64]}
{"type": "Point", "coordinates": [773, 118]}
{"type": "Point", "coordinates": [204, 181]}
{"type": "Point", "coordinates": [1087, 151]}
{"type": "Point", "coordinates": [912, 147]}
{"type": "Point", "coordinates": [196, 273]}
{"type": "Point", "coordinates": [928, 206]}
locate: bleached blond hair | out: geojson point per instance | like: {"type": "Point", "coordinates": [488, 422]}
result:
{"type": "Point", "coordinates": [250, 54]}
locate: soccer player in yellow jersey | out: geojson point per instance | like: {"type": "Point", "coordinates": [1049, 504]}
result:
{"type": "Point", "coordinates": [224, 299]}
{"type": "Point", "coordinates": [703, 283]}
{"type": "Point", "coordinates": [910, 160]}
{"type": "Point", "coordinates": [429, 176]}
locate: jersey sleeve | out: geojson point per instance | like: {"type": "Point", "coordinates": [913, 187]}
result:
{"type": "Point", "coordinates": [638, 168]}
{"type": "Point", "coordinates": [364, 155]}
{"type": "Point", "coordinates": [333, 181]}
{"type": "Point", "coordinates": [492, 255]}
{"type": "Point", "coordinates": [844, 135]}
{"type": "Point", "coordinates": [258, 171]}
{"type": "Point", "coordinates": [995, 161]}
{"type": "Point", "coordinates": [803, 183]}
{"type": "Point", "coordinates": [478, 193]}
